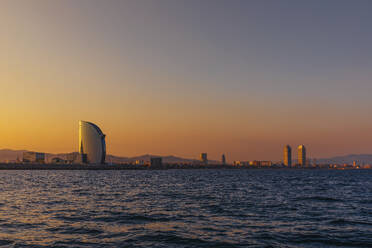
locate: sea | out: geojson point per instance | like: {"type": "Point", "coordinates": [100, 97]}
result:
{"type": "Point", "coordinates": [186, 208]}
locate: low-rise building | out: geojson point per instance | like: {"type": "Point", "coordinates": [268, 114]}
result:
{"type": "Point", "coordinates": [139, 162]}
{"type": "Point", "coordinates": [241, 163]}
{"type": "Point", "coordinates": [260, 163]}
{"type": "Point", "coordinates": [156, 162]}
{"type": "Point", "coordinates": [33, 157]}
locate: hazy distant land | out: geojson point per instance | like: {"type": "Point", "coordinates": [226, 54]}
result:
{"type": "Point", "coordinates": [8, 155]}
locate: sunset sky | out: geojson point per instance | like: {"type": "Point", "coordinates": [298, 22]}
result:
{"type": "Point", "coordinates": [177, 77]}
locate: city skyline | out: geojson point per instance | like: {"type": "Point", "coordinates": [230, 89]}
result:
{"type": "Point", "coordinates": [177, 78]}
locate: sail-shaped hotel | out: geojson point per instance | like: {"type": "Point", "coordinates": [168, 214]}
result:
{"type": "Point", "coordinates": [92, 145]}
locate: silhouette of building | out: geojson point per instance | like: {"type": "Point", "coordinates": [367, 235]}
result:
{"type": "Point", "coordinates": [156, 162]}
{"type": "Point", "coordinates": [301, 152]}
{"type": "Point", "coordinates": [33, 157]}
{"type": "Point", "coordinates": [241, 163]}
{"type": "Point", "coordinates": [92, 145]}
{"type": "Point", "coordinates": [287, 156]}
{"type": "Point", "coordinates": [139, 162]}
{"type": "Point", "coordinates": [204, 158]}
{"type": "Point", "coordinates": [260, 163]}
{"type": "Point", "coordinates": [223, 160]}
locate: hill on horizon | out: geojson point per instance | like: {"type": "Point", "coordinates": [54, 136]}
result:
{"type": "Point", "coordinates": [347, 159]}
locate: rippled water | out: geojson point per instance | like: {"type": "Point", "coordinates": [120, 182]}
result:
{"type": "Point", "coordinates": [186, 208]}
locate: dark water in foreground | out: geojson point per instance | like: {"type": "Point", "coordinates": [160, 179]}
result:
{"type": "Point", "coordinates": [186, 208]}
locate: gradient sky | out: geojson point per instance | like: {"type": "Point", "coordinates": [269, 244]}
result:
{"type": "Point", "coordinates": [164, 77]}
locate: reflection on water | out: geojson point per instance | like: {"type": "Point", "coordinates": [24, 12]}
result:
{"type": "Point", "coordinates": [186, 208]}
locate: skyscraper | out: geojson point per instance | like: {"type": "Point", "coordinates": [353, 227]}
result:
{"type": "Point", "coordinates": [301, 151]}
{"type": "Point", "coordinates": [223, 159]}
{"type": "Point", "coordinates": [287, 156]}
{"type": "Point", "coordinates": [92, 143]}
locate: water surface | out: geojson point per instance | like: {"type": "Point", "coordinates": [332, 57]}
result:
{"type": "Point", "coordinates": [186, 208]}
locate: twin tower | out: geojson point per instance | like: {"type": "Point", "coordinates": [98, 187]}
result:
{"type": "Point", "coordinates": [301, 153]}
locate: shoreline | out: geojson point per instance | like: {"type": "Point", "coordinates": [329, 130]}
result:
{"type": "Point", "coordinates": [164, 167]}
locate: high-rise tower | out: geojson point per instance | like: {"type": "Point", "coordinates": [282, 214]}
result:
{"type": "Point", "coordinates": [92, 143]}
{"type": "Point", "coordinates": [287, 156]}
{"type": "Point", "coordinates": [301, 151]}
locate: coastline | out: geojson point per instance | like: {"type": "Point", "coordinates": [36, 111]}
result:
{"type": "Point", "coordinates": [4, 166]}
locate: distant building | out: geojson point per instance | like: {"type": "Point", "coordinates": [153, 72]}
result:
{"type": "Point", "coordinates": [266, 163]}
{"type": "Point", "coordinates": [156, 162]}
{"type": "Point", "coordinates": [204, 158]}
{"type": "Point", "coordinates": [58, 161]}
{"type": "Point", "coordinates": [241, 163]}
{"type": "Point", "coordinates": [33, 157]}
{"type": "Point", "coordinates": [70, 157]}
{"type": "Point", "coordinates": [301, 152]}
{"type": "Point", "coordinates": [92, 143]}
{"type": "Point", "coordinates": [223, 160]}
{"type": "Point", "coordinates": [287, 156]}
{"type": "Point", "coordinates": [140, 162]}
{"type": "Point", "coordinates": [260, 163]}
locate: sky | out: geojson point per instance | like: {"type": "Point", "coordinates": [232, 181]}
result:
{"type": "Point", "coordinates": [181, 77]}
